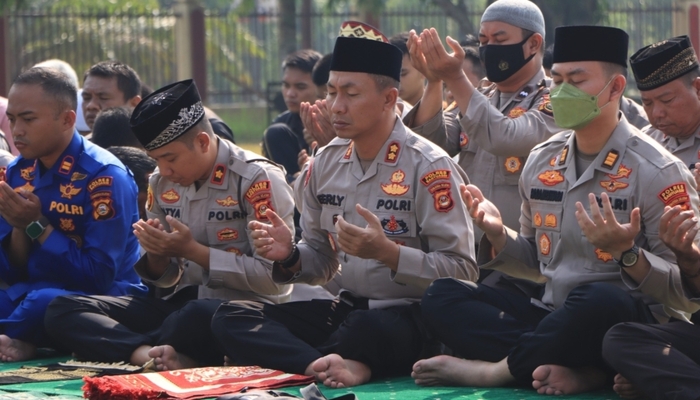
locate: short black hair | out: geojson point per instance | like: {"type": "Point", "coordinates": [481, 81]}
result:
{"type": "Point", "coordinates": [128, 80]}
{"type": "Point", "coordinates": [145, 90]}
{"type": "Point", "coordinates": [303, 60]}
{"type": "Point", "coordinates": [400, 40]}
{"type": "Point", "coordinates": [54, 83]}
{"type": "Point", "coordinates": [611, 69]}
{"type": "Point", "coordinates": [112, 128]}
{"type": "Point", "coordinates": [202, 126]}
{"type": "Point", "coordinates": [322, 70]}
{"type": "Point", "coordinates": [469, 40]}
{"type": "Point", "coordinates": [140, 164]}
{"type": "Point", "coordinates": [384, 82]}
{"type": "Point", "coordinates": [472, 54]}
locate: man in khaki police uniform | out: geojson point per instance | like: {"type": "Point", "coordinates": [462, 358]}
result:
{"type": "Point", "coordinates": [200, 200]}
{"type": "Point", "coordinates": [592, 204]}
{"type": "Point", "coordinates": [667, 75]}
{"type": "Point", "coordinates": [412, 231]}
{"type": "Point", "coordinates": [494, 127]}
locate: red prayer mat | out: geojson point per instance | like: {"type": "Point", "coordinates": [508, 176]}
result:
{"type": "Point", "coordinates": [194, 383]}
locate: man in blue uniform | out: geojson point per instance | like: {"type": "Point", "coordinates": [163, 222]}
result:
{"type": "Point", "coordinates": [67, 208]}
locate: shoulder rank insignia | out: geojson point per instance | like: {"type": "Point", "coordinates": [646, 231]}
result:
{"type": "Point", "coordinates": [551, 177]}
{"type": "Point", "coordinates": [348, 152]}
{"type": "Point", "coordinates": [68, 191]}
{"type": "Point", "coordinates": [66, 165]}
{"type": "Point", "coordinates": [395, 188]}
{"type": "Point", "coordinates": [564, 154]}
{"type": "Point", "coordinates": [217, 177]}
{"type": "Point", "coordinates": [610, 159]}
{"type": "Point", "coordinates": [392, 152]}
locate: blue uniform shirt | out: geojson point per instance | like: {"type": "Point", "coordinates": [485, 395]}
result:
{"type": "Point", "coordinates": [90, 198]}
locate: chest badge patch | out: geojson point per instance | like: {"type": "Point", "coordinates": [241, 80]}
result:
{"type": "Point", "coordinates": [516, 112]}
{"type": "Point", "coordinates": [66, 224]}
{"type": "Point", "coordinates": [170, 196]}
{"type": "Point", "coordinates": [613, 185]}
{"type": "Point", "coordinates": [603, 256]}
{"type": "Point", "coordinates": [395, 188]}
{"type": "Point", "coordinates": [537, 219]}
{"type": "Point", "coordinates": [464, 140]}
{"type": "Point", "coordinates": [27, 186]}
{"type": "Point", "coordinates": [27, 173]}
{"type": "Point", "coordinates": [68, 191]}
{"type": "Point", "coordinates": [227, 234]}
{"type": "Point", "coordinates": [551, 177]}
{"type": "Point", "coordinates": [392, 226]}
{"type": "Point", "coordinates": [550, 220]}
{"type": "Point", "coordinates": [545, 245]}
{"type": "Point", "coordinates": [77, 176]}
{"type": "Point", "coordinates": [622, 172]}
{"type": "Point", "coordinates": [513, 164]}
{"type": "Point", "coordinates": [227, 202]}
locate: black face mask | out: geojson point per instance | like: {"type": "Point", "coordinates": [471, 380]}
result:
{"type": "Point", "coordinates": [502, 61]}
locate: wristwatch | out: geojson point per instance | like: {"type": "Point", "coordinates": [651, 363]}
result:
{"type": "Point", "coordinates": [36, 228]}
{"type": "Point", "coordinates": [629, 257]}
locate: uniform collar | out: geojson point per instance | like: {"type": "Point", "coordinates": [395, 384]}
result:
{"type": "Point", "coordinates": [522, 93]}
{"type": "Point", "coordinates": [388, 155]}
{"type": "Point", "coordinates": [608, 160]}
{"type": "Point", "coordinates": [64, 165]}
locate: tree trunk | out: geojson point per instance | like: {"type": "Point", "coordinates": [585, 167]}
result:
{"type": "Point", "coordinates": [287, 27]}
{"type": "Point", "coordinates": [458, 12]}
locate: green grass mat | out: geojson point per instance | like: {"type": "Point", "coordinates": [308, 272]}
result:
{"type": "Point", "coordinates": [393, 389]}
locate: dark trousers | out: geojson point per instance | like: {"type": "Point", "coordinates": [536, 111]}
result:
{"type": "Point", "coordinates": [291, 336]}
{"type": "Point", "coordinates": [482, 323]}
{"type": "Point", "coordinates": [109, 329]}
{"type": "Point", "coordinates": [662, 361]}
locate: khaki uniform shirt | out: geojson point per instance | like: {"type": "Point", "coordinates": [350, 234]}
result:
{"type": "Point", "coordinates": [412, 186]}
{"type": "Point", "coordinates": [688, 149]}
{"type": "Point", "coordinates": [217, 214]}
{"type": "Point", "coordinates": [634, 171]}
{"type": "Point", "coordinates": [495, 137]}
{"type": "Point", "coordinates": [634, 113]}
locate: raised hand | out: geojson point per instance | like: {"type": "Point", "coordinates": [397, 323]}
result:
{"type": "Point", "coordinates": [369, 242]}
{"type": "Point", "coordinates": [158, 241]}
{"type": "Point", "coordinates": [603, 230]}
{"type": "Point", "coordinates": [677, 230]}
{"type": "Point", "coordinates": [444, 66]}
{"type": "Point", "coordinates": [272, 241]}
{"type": "Point", "coordinates": [317, 122]}
{"type": "Point", "coordinates": [19, 209]}
{"type": "Point", "coordinates": [417, 58]}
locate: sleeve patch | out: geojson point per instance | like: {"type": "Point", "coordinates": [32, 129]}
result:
{"type": "Point", "coordinates": [546, 106]}
{"type": "Point", "coordinates": [99, 182]}
{"type": "Point", "coordinates": [442, 193]}
{"type": "Point", "coordinates": [436, 175]}
{"type": "Point", "coordinates": [675, 195]}
{"type": "Point", "coordinates": [103, 207]}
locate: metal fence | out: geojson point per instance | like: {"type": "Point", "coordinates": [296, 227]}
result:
{"type": "Point", "coordinates": [241, 50]}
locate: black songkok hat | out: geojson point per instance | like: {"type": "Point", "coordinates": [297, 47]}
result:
{"type": "Point", "coordinates": [590, 43]}
{"type": "Point", "coordinates": [363, 48]}
{"type": "Point", "coordinates": [166, 114]}
{"type": "Point", "coordinates": [660, 63]}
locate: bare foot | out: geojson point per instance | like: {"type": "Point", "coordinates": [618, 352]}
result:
{"type": "Point", "coordinates": [167, 359]}
{"type": "Point", "coordinates": [625, 389]}
{"type": "Point", "coordinates": [15, 349]}
{"type": "Point", "coordinates": [558, 380]}
{"type": "Point", "coordinates": [452, 371]}
{"type": "Point", "coordinates": [336, 372]}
